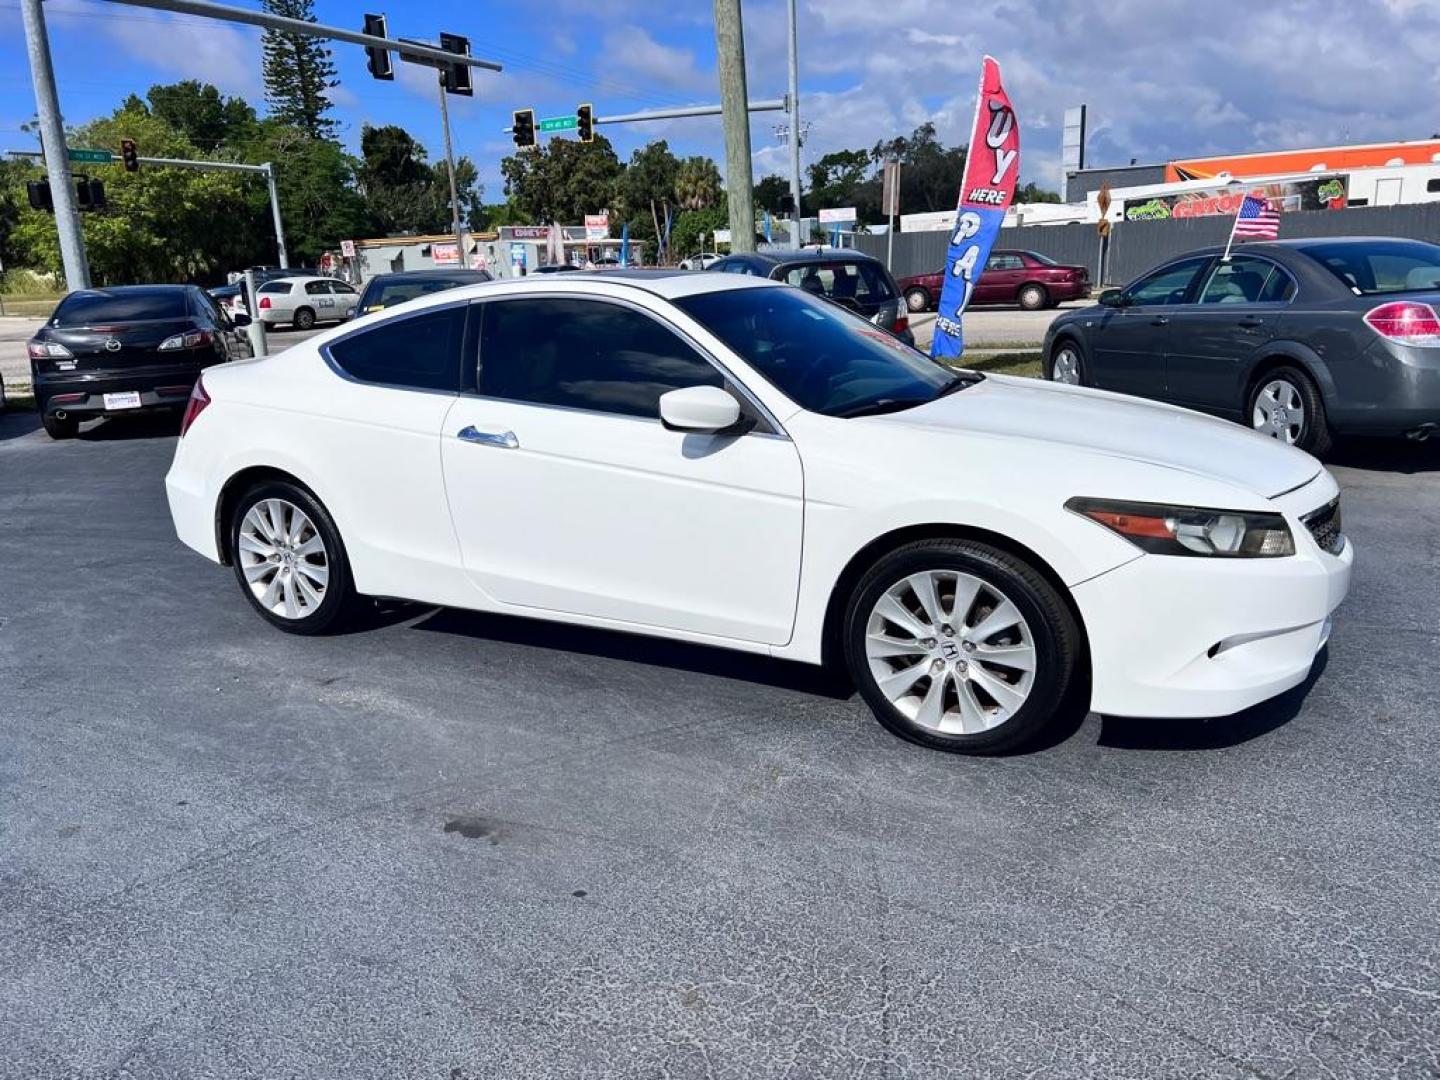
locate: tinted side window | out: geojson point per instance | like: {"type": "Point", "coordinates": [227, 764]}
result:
{"type": "Point", "coordinates": [1004, 262]}
{"type": "Point", "coordinates": [737, 268]}
{"type": "Point", "coordinates": [421, 352]}
{"type": "Point", "coordinates": [1167, 286]}
{"type": "Point", "coordinates": [585, 354]}
{"type": "Point", "coordinates": [317, 288]}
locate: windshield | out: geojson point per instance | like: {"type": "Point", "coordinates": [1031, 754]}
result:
{"type": "Point", "coordinates": [98, 307]}
{"type": "Point", "coordinates": [819, 355]}
{"type": "Point", "coordinates": [1384, 266]}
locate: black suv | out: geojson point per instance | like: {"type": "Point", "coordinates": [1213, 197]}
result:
{"type": "Point", "coordinates": [127, 349]}
{"type": "Point", "coordinates": [848, 278]}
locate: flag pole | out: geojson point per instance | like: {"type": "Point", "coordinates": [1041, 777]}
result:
{"type": "Point", "coordinates": [1235, 221]}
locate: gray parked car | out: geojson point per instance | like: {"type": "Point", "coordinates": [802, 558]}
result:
{"type": "Point", "coordinates": [1301, 339]}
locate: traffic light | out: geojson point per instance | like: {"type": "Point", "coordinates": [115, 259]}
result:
{"type": "Point", "coordinates": [38, 192]}
{"type": "Point", "coordinates": [585, 122]}
{"type": "Point", "coordinates": [456, 76]}
{"type": "Point", "coordinates": [522, 126]}
{"type": "Point", "coordinates": [89, 194]}
{"type": "Point", "coordinates": [130, 155]}
{"type": "Point", "coordinates": [380, 64]}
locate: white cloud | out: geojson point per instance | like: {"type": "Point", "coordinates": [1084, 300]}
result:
{"type": "Point", "coordinates": [630, 54]}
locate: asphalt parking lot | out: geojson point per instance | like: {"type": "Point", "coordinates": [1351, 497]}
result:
{"type": "Point", "coordinates": [459, 846]}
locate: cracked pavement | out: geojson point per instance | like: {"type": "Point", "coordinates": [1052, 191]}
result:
{"type": "Point", "coordinates": [462, 846]}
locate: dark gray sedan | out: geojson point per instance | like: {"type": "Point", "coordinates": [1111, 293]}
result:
{"type": "Point", "coordinates": [1301, 339]}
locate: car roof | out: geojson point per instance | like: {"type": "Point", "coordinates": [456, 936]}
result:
{"type": "Point", "coordinates": [804, 255]}
{"type": "Point", "coordinates": [424, 275]}
{"type": "Point", "coordinates": [131, 290]}
{"type": "Point", "coordinates": [667, 284]}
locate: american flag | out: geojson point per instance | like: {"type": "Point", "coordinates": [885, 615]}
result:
{"type": "Point", "coordinates": [1257, 219]}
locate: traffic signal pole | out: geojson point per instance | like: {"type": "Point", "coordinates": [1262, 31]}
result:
{"type": "Point", "coordinates": [450, 168]}
{"type": "Point", "coordinates": [57, 154]}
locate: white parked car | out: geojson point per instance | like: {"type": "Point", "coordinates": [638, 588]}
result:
{"type": "Point", "coordinates": [302, 302]}
{"type": "Point", "coordinates": [701, 261]}
{"type": "Point", "coordinates": [728, 460]}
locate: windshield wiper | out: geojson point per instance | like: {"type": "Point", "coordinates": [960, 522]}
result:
{"type": "Point", "coordinates": [882, 405]}
{"type": "Point", "coordinates": [959, 381]}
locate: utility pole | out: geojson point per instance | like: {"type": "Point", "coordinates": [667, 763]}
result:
{"type": "Point", "coordinates": [450, 162]}
{"type": "Point", "coordinates": [739, 173]}
{"type": "Point", "coordinates": [794, 101]}
{"type": "Point", "coordinates": [57, 154]}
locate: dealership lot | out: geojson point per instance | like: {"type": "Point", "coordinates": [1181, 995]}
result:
{"type": "Point", "coordinates": [466, 846]}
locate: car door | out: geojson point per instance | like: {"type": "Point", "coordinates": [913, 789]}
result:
{"type": "Point", "coordinates": [1213, 342]}
{"type": "Point", "coordinates": [999, 280]}
{"type": "Point", "coordinates": [319, 297]}
{"type": "Point", "coordinates": [345, 298]}
{"type": "Point", "coordinates": [570, 496]}
{"type": "Point", "coordinates": [1127, 343]}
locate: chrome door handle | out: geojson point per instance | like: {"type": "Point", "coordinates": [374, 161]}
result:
{"type": "Point", "coordinates": [1159, 320]}
{"type": "Point", "coordinates": [505, 440]}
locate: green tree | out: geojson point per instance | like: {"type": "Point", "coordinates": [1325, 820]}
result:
{"type": "Point", "coordinates": [1033, 192]}
{"type": "Point", "coordinates": [319, 199]}
{"type": "Point", "coordinates": [299, 73]}
{"type": "Point", "coordinates": [697, 183]}
{"type": "Point", "coordinates": [197, 111]}
{"type": "Point", "coordinates": [645, 191]}
{"type": "Point", "coordinates": [769, 191]}
{"type": "Point", "coordinates": [563, 180]}
{"type": "Point", "coordinates": [845, 178]}
{"type": "Point", "coordinates": [693, 230]}
{"type": "Point", "coordinates": [930, 173]}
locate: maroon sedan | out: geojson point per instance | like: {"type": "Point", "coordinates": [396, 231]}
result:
{"type": "Point", "coordinates": [1027, 278]}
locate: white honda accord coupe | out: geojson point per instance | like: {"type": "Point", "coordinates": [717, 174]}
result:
{"type": "Point", "coordinates": [730, 461]}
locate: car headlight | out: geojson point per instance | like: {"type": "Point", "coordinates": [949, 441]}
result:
{"type": "Point", "coordinates": [1190, 530]}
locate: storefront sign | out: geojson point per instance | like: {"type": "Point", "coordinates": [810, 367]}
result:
{"type": "Point", "coordinates": [445, 254]}
{"type": "Point", "coordinates": [1319, 193]}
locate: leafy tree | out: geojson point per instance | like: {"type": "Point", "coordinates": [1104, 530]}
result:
{"type": "Point", "coordinates": [1033, 192]}
{"type": "Point", "coordinates": [562, 180]}
{"type": "Point", "coordinates": [930, 174]}
{"type": "Point", "coordinates": [298, 72]}
{"type": "Point", "coordinates": [197, 111]}
{"type": "Point", "coordinates": [319, 200]}
{"type": "Point", "coordinates": [846, 178]}
{"type": "Point", "coordinates": [645, 191]}
{"type": "Point", "coordinates": [769, 191]}
{"type": "Point", "coordinates": [697, 183]}
{"type": "Point", "coordinates": [693, 229]}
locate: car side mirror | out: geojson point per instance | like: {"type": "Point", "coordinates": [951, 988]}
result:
{"type": "Point", "coordinates": [1112, 298]}
{"type": "Point", "coordinates": [240, 320]}
{"type": "Point", "coordinates": [703, 409]}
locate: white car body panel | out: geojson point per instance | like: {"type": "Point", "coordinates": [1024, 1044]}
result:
{"type": "Point", "coordinates": [328, 307]}
{"type": "Point", "coordinates": [613, 521]}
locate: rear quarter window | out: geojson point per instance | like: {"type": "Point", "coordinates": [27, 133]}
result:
{"type": "Point", "coordinates": [421, 352]}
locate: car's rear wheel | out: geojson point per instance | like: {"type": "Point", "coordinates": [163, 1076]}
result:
{"type": "Point", "coordinates": [1066, 364]}
{"type": "Point", "coordinates": [289, 559]}
{"type": "Point", "coordinates": [304, 318]}
{"type": "Point", "coordinates": [60, 427]}
{"type": "Point", "coordinates": [1285, 405]}
{"type": "Point", "coordinates": [917, 299]}
{"type": "Point", "coordinates": [961, 646]}
{"type": "Point", "coordinates": [1033, 297]}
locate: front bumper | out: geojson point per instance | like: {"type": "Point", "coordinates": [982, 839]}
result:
{"type": "Point", "coordinates": [1199, 637]}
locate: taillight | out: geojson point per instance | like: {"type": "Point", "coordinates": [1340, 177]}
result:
{"type": "Point", "coordinates": [48, 350]}
{"type": "Point", "coordinates": [264, 301]}
{"type": "Point", "coordinates": [191, 339]}
{"type": "Point", "coordinates": [195, 406]}
{"type": "Point", "coordinates": [1405, 321]}
{"type": "Point", "coordinates": [901, 324]}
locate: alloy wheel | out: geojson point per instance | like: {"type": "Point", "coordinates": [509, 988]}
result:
{"type": "Point", "coordinates": [283, 558]}
{"type": "Point", "coordinates": [1279, 411]}
{"type": "Point", "coordinates": [950, 652]}
{"type": "Point", "coordinates": [1065, 368]}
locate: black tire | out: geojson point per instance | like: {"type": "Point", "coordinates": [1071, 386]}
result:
{"type": "Point", "coordinates": [1033, 297]}
{"type": "Point", "coordinates": [917, 299]}
{"type": "Point", "coordinates": [58, 427]}
{"type": "Point", "coordinates": [338, 602]}
{"type": "Point", "coordinates": [1072, 347]}
{"type": "Point", "coordinates": [1315, 436]}
{"type": "Point", "coordinates": [1055, 640]}
{"type": "Point", "coordinates": [304, 319]}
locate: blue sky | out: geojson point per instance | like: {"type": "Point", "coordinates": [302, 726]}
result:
{"type": "Point", "coordinates": [1162, 80]}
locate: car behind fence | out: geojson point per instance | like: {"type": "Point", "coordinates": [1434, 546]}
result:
{"type": "Point", "coordinates": [1136, 246]}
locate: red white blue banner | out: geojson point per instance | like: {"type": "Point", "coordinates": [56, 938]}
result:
{"type": "Point", "coordinates": [992, 167]}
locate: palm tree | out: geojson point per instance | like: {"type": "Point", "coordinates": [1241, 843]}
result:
{"type": "Point", "coordinates": [697, 183]}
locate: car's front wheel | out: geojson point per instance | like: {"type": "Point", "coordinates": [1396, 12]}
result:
{"type": "Point", "coordinates": [1285, 405]}
{"type": "Point", "coordinates": [1066, 364]}
{"type": "Point", "coordinates": [289, 559]}
{"type": "Point", "coordinates": [961, 646]}
{"type": "Point", "coordinates": [917, 299]}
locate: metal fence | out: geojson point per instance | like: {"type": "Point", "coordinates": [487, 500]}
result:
{"type": "Point", "coordinates": [1136, 246]}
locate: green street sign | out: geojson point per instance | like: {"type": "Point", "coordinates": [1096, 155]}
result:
{"type": "Point", "coordinates": [92, 157]}
{"type": "Point", "coordinates": [559, 123]}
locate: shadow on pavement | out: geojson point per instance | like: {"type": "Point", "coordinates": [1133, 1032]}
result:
{"type": "Point", "coordinates": [17, 422]}
{"type": "Point", "coordinates": [1387, 455]}
{"type": "Point", "coordinates": [145, 426]}
{"type": "Point", "coordinates": [1130, 733]}
{"type": "Point", "coordinates": [635, 648]}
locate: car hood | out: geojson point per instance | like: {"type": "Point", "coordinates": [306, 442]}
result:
{"type": "Point", "coordinates": [1114, 424]}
